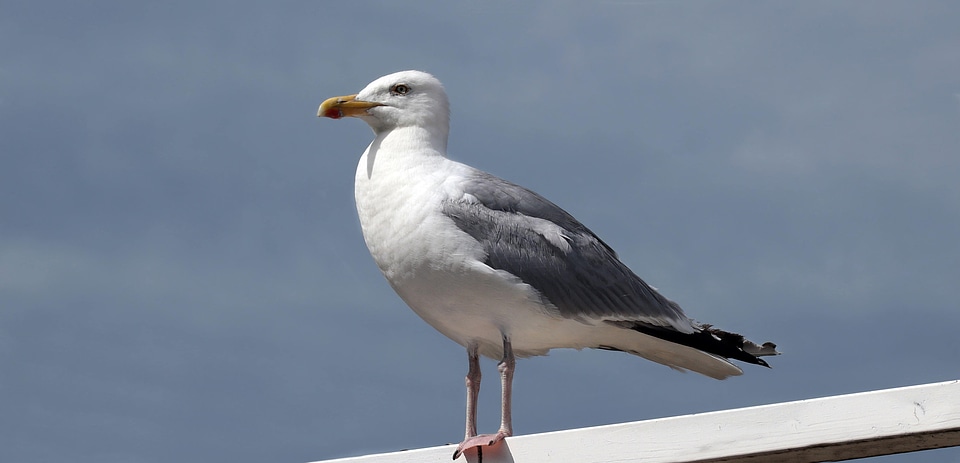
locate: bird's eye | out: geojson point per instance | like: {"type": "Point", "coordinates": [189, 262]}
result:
{"type": "Point", "coordinates": [399, 89]}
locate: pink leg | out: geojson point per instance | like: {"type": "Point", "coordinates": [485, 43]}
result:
{"type": "Point", "coordinates": [506, 367]}
{"type": "Point", "coordinates": [473, 391]}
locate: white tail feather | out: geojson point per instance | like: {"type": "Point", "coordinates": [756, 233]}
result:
{"type": "Point", "coordinates": [676, 356]}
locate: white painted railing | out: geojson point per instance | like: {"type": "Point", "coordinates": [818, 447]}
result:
{"type": "Point", "coordinates": [834, 428]}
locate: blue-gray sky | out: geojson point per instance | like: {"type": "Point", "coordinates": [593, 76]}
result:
{"type": "Point", "coordinates": [182, 275]}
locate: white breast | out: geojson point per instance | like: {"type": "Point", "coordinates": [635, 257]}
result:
{"type": "Point", "coordinates": [436, 268]}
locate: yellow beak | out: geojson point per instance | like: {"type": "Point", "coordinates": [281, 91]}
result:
{"type": "Point", "coordinates": [344, 106]}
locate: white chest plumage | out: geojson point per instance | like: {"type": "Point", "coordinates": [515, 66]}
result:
{"type": "Point", "coordinates": [398, 196]}
{"type": "Point", "coordinates": [398, 199]}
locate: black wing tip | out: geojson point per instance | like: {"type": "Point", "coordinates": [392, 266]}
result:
{"type": "Point", "coordinates": [714, 341]}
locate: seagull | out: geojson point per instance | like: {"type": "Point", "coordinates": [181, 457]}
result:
{"type": "Point", "coordinates": [496, 267]}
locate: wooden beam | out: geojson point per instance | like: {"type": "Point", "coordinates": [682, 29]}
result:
{"type": "Point", "coordinates": [834, 428]}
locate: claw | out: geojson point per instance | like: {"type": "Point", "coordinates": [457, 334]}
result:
{"type": "Point", "coordinates": [479, 441]}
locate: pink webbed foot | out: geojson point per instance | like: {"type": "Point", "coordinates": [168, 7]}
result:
{"type": "Point", "coordinates": [479, 441]}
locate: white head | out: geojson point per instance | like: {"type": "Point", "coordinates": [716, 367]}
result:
{"type": "Point", "coordinates": [402, 99]}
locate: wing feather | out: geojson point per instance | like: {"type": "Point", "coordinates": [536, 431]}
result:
{"type": "Point", "coordinates": [574, 270]}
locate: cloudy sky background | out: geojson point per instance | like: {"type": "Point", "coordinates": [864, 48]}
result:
{"type": "Point", "coordinates": [182, 275]}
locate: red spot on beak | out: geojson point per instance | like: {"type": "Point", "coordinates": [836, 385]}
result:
{"type": "Point", "coordinates": [333, 113]}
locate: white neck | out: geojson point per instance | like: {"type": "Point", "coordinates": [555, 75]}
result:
{"type": "Point", "coordinates": [420, 139]}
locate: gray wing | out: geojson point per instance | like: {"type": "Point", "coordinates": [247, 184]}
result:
{"type": "Point", "coordinates": [534, 239]}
